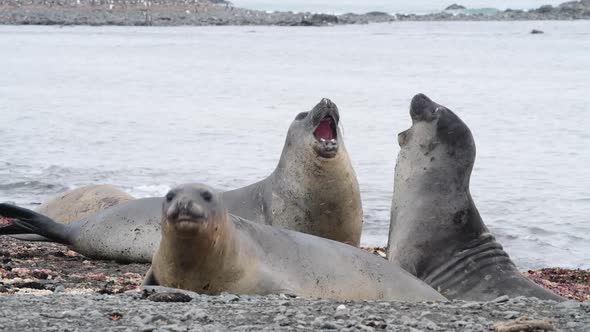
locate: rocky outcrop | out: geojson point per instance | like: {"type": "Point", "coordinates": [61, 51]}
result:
{"type": "Point", "coordinates": [455, 7]}
{"type": "Point", "coordinates": [211, 12]}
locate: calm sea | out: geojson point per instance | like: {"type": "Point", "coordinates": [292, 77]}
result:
{"type": "Point", "coordinates": [146, 108]}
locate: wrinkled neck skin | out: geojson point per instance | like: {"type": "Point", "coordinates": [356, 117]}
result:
{"type": "Point", "coordinates": [433, 217]}
{"type": "Point", "coordinates": [206, 261]}
{"type": "Point", "coordinates": [320, 194]}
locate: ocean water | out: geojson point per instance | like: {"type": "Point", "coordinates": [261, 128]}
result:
{"type": "Point", "coordinates": [147, 108]}
{"type": "Point", "coordinates": [388, 6]}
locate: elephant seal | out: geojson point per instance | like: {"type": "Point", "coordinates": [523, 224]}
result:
{"type": "Point", "coordinates": [436, 232]}
{"type": "Point", "coordinates": [206, 250]}
{"type": "Point", "coordinates": [81, 202]}
{"type": "Point", "coordinates": [313, 190]}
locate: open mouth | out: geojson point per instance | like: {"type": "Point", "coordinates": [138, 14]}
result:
{"type": "Point", "coordinates": [326, 130]}
{"type": "Point", "coordinates": [327, 138]}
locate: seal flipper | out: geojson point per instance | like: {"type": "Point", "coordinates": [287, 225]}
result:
{"type": "Point", "coordinates": [150, 279]}
{"type": "Point", "coordinates": [25, 221]}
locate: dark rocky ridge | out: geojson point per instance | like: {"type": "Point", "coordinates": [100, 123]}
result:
{"type": "Point", "coordinates": [201, 12]}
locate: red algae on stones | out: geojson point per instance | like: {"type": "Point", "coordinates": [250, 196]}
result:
{"type": "Point", "coordinates": [571, 284]}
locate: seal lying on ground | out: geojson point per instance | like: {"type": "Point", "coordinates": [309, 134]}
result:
{"type": "Point", "coordinates": [207, 250]}
{"type": "Point", "coordinates": [436, 232]}
{"type": "Point", "coordinates": [313, 190]}
{"type": "Point", "coordinates": [81, 202]}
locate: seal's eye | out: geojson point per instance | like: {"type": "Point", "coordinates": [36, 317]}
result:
{"type": "Point", "coordinates": [207, 196]}
{"type": "Point", "coordinates": [170, 196]}
{"type": "Point", "coordinates": [301, 115]}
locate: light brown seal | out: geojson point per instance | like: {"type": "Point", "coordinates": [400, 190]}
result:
{"type": "Point", "coordinates": [81, 202]}
{"type": "Point", "coordinates": [207, 250]}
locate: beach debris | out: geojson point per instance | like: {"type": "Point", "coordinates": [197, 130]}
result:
{"type": "Point", "coordinates": [115, 316]}
{"type": "Point", "coordinates": [169, 297]}
{"type": "Point", "coordinates": [523, 324]}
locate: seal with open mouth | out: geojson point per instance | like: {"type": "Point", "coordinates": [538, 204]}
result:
{"type": "Point", "coordinates": [436, 232]}
{"type": "Point", "coordinates": [209, 251]}
{"type": "Point", "coordinates": [313, 190]}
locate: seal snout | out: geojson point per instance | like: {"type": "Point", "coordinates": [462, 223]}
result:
{"type": "Point", "coordinates": [422, 108]}
{"type": "Point", "coordinates": [186, 210]}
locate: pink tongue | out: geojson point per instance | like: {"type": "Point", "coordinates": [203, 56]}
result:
{"type": "Point", "coordinates": [324, 130]}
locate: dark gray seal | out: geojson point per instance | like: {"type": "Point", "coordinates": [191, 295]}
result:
{"type": "Point", "coordinates": [436, 232]}
{"type": "Point", "coordinates": [207, 250]}
{"type": "Point", "coordinates": [313, 190]}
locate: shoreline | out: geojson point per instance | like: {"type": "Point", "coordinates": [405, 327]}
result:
{"type": "Point", "coordinates": [45, 286]}
{"type": "Point", "coordinates": [48, 268]}
{"type": "Point", "coordinates": [201, 13]}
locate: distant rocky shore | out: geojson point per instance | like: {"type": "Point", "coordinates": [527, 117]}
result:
{"type": "Point", "coordinates": [216, 12]}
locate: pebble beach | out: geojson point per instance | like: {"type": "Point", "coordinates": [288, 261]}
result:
{"type": "Point", "coordinates": [47, 287]}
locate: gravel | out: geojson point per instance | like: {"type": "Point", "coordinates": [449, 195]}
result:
{"type": "Point", "coordinates": [135, 310]}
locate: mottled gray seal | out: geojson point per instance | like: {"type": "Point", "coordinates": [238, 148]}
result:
{"type": "Point", "coordinates": [207, 250]}
{"type": "Point", "coordinates": [81, 202]}
{"type": "Point", "coordinates": [436, 232]}
{"type": "Point", "coordinates": [313, 190]}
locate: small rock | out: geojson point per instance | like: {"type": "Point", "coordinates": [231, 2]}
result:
{"type": "Point", "coordinates": [471, 305]}
{"type": "Point", "coordinates": [59, 289]}
{"type": "Point", "coordinates": [341, 307]}
{"type": "Point", "coordinates": [195, 314]}
{"type": "Point", "coordinates": [511, 314]}
{"type": "Point", "coordinates": [40, 274]}
{"type": "Point", "coordinates": [71, 314]}
{"type": "Point", "coordinates": [318, 321]}
{"type": "Point", "coordinates": [426, 323]}
{"type": "Point", "coordinates": [341, 314]}
{"type": "Point", "coordinates": [155, 318]}
{"type": "Point", "coordinates": [570, 304]}
{"type": "Point", "coordinates": [536, 32]}
{"type": "Point", "coordinates": [501, 299]}
{"type": "Point", "coordinates": [328, 326]}
{"type": "Point", "coordinates": [169, 297]}
{"type": "Point", "coordinates": [408, 321]}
